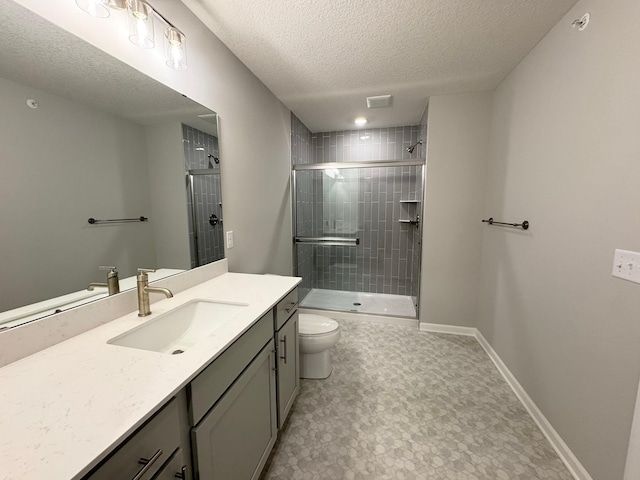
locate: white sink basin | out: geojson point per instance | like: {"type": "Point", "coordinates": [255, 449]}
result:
{"type": "Point", "coordinates": [179, 329]}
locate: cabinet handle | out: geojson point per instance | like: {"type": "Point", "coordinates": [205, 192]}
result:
{"type": "Point", "coordinates": [284, 340]}
{"type": "Point", "coordinates": [293, 306]}
{"type": "Point", "coordinates": [182, 473]}
{"type": "Point", "coordinates": [148, 463]}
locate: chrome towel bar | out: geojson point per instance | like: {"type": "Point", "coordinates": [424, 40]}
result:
{"type": "Point", "coordinates": [93, 221]}
{"type": "Point", "coordinates": [524, 225]}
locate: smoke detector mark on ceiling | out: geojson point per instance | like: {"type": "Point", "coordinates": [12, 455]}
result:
{"type": "Point", "coordinates": [582, 23]}
{"type": "Point", "coordinates": [380, 101]}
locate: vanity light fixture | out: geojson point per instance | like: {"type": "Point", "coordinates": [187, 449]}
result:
{"type": "Point", "coordinates": [95, 8]}
{"type": "Point", "coordinates": [140, 23]}
{"type": "Point", "coordinates": [360, 121]}
{"type": "Point", "coordinates": [141, 17]}
{"type": "Point", "coordinates": [175, 48]}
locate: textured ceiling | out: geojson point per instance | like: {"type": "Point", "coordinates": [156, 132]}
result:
{"type": "Point", "coordinates": [45, 57]}
{"type": "Point", "coordinates": [322, 58]}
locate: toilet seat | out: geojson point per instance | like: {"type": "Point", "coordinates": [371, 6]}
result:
{"type": "Point", "coordinates": [311, 325]}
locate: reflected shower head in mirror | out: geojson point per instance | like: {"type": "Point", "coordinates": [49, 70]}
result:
{"type": "Point", "coordinates": [413, 147]}
{"type": "Point", "coordinates": [215, 159]}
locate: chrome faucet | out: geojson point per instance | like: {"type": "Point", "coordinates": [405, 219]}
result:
{"type": "Point", "coordinates": [144, 290]}
{"type": "Point", "coordinates": [113, 284]}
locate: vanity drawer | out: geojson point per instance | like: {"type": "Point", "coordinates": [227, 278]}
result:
{"type": "Point", "coordinates": [286, 307]}
{"type": "Point", "coordinates": [208, 387]}
{"type": "Point", "coordinates": [176, 467]}
{"type": "Point", "coordinates": [142, 455]}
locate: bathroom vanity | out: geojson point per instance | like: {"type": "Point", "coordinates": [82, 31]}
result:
{"type": "Point", "coordinates": [92, 409]}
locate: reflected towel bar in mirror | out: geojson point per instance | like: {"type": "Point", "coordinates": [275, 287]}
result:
{"type": "Point", "coordinates": [93, 221]}
{"type": "Point", "coordinates": [524, 225]}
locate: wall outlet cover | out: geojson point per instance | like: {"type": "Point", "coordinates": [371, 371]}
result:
{"type": "Point", "coordinates": [230, 239]}
{"type": "Point", "coordinates": [626, 265]}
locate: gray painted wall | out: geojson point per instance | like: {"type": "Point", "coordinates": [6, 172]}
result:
{"type": "Point", "coordinates": [457, 149]}
{"type": "Point", "coordinates": [84, 163]}
{"type": "Point", "coordinates": [565, 155]}
{"type": "Point", "coordinates": [168, 202]}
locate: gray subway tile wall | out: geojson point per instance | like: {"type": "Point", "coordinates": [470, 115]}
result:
{"type": "Point", "coordinates": [207, 193]}
{"type": "Point", "coordinates": [366, 203]}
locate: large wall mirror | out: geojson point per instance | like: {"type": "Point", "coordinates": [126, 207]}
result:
{"type": "Point", "coordinates": [84, 136]}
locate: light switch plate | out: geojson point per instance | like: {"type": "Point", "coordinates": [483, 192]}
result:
{"type": "Point", "coordinates": [626, 265]}
{"type": "Point", "coordinates": [230, 239]}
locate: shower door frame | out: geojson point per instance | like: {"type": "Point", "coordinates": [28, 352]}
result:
{"type": "Point", "coordinates": [349, 165]}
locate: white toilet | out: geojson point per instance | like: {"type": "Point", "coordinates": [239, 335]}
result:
{"type": "Point", "coordinates": [317, 334]}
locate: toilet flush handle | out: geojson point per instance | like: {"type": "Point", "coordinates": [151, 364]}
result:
{"type": "Point", "coordinates": [284, 340]}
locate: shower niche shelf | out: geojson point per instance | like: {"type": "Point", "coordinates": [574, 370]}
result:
{"type": "Point", "coordinates": [410, 201]}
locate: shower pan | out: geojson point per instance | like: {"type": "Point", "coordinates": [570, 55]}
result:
{"type": "Point", "coordinates": [357, 235]}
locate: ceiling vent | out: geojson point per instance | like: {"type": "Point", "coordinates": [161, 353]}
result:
{"type": "Point", "coordinates": [380, 101]}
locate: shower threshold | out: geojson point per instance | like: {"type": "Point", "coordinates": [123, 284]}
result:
{"type": "Point", "coordinates": [360, 302]}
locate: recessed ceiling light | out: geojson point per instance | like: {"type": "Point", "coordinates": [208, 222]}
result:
{"type": "Point", "coordinates": [360, 121]}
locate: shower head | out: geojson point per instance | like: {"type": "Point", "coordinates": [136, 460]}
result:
{"type": "Point", "coordinates": [413, 147]}
{"type": "Point", "coordinates": [215, 159]}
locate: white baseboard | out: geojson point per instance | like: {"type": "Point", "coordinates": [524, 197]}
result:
{"type": "Point", "coordinates": [451, 329]}
{"type": "Point", "coordinates": [562, 449]}
{"type": "Point", "coordinates": [406, 322]}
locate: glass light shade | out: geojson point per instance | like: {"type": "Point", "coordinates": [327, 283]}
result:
{"type": "Point", "coordinates": [140, 23]}
{"type": "Point", "coordinates": [95, 8]}
{"type": "Point", "coordinates": [118, 4]}
{"type": "Point", "coordinates": [175, 48]}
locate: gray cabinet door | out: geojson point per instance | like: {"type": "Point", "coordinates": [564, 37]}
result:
{"type": "Point", "coordinates": [288, 368]}
{"type": "Point", "coordinates": [234, 439]}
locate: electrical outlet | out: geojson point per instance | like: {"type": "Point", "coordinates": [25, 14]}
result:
{"type": "Point", "coordinates": [626, 265]}
{"type": "Point", "coordinates": [229, 239]}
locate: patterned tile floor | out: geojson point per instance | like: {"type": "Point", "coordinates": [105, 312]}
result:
{"type": "Point", "coordinates": [403, 404]}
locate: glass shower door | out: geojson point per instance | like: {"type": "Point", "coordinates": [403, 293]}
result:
{"type": "Point", "coordinates": [357, 236]}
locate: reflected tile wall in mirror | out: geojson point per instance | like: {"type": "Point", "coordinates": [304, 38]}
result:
{"type": "Point", "coordinates": [200, 152]}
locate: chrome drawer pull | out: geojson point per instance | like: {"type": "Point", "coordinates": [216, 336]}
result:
{"type": "Point", "coordinates": [284, 340]}
{"type": "Point", "coordinates": [293, 306]}
{"type": "Point", "coordinates": [148, 463]}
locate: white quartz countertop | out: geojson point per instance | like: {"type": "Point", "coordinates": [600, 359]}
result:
{"type": "Point", "coordinates": [64, 408]}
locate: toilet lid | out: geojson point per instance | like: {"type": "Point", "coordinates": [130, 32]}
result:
{"type": "Point", "coordinates": [316, 324]}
